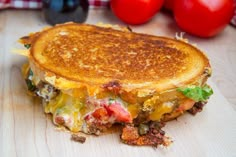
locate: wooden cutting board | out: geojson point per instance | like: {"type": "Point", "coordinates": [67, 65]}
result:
{"type": "Point", "coordinates": [26, 131]}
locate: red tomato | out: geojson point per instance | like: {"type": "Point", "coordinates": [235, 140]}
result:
{"type": "Point", "coordinates": [169, 4]}
{"type": "Point", "coordinates": [120, 113]}
{"type": "Point", "coordinates": [204, 18]}
{"type": "Point", "coordinates": [135, 11]}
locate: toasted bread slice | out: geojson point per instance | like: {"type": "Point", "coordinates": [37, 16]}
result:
{"type": "Point", "coordinates": [71, 55]}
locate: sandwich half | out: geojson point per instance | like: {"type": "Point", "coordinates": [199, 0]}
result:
{"type": "Point", "coordinates": [90, 78]}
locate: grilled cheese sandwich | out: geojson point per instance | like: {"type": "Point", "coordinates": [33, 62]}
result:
{"type": "Point", "coordinates": [91, 77]}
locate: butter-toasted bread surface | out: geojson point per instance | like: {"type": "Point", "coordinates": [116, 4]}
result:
{"type": "Point", "coordinates": [81, 53]}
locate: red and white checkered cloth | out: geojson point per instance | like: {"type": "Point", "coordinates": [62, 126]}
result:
{"type": "Point", "coordinates": [37, 4]}
{"type": "Point", "coordinates": [21, 4]}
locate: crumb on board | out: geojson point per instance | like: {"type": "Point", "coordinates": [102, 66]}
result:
{"type": "Point", "coordinates": [78, 138]}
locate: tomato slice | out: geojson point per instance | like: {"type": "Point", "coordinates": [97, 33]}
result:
{"type": "Point", "coordinates": [120, 113]}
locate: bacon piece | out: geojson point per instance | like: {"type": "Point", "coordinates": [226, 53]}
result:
{"type": "Point", "coordinates": [198, 106]}
{"type": "Point", "coordinates": [129, 133]}
{"type": "Point", "coordinates": [113, 86]}
{"type": "Point", "coordinates": [101, 114]}
{"type": "Point", "coordinates": [154, 137]}
{"type": "Point", "coordinates": [78, 138]}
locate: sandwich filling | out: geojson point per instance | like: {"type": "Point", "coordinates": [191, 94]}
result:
{"type": "Point", "coordinates": [138, 113]}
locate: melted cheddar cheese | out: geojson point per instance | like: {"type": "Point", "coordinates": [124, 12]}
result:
{"type": "Point", "coordinates": [70, 107]}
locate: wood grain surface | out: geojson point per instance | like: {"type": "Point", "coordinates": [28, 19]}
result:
{"type": "Point", "coordinates": [26, 131]}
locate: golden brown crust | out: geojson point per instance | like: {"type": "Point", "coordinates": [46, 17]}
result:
{"type": "Point", "coordinates": [74, 55]}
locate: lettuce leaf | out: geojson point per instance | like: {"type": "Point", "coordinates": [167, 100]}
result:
{"type": "Point", "coordinates": [27, 46]}
{"type": "Point", "coordinates": [196, 93]}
